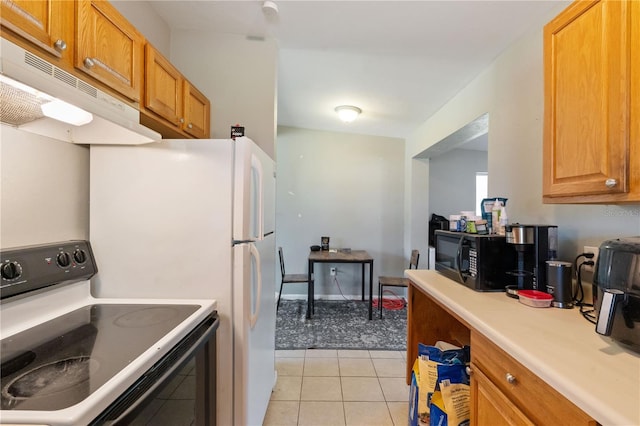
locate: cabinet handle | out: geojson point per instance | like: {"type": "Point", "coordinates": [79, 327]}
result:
{"type": "Point", "coordinates": [60, 45]}
{"type": "Point", "coordinates": [610, 183]}
{"type": "Point", "coordinates": [469, 371]}
{"type": "Point", "coordinates": [510, 378]}
{"type": "Point", "coordinates": [190, 126]}
{"type": "Point", "coordinates": [181, 120]}
{"type": "Point", "coordinates": [88, 62]}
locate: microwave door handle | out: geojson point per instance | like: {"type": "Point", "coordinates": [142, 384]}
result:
{"type": "Point", "coordinates": [459, 260]}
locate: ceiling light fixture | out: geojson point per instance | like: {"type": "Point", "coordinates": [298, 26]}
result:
{"type": "Point", "coordinates": [270, 8]}
{"type": "Point", "coordinates": [348, 113]}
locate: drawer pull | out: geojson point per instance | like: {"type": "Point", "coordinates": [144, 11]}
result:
{"type": "Point", "coordinates": [510, 378]}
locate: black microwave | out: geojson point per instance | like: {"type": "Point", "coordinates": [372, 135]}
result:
{"type": "Point", "coordinates": [480, 262]}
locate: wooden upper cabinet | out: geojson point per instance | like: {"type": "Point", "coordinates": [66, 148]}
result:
{"type": "Point", "coordinates": [589, 153]}
{"type": "Point", "coordinates": [45, 24]}
{"type": "Point", "coordinates": [197, 112]}
{"type": "Point", "coordinates": [109, 48]}
{"type": "Point", "coordinates": [163, 87]}
{"type": "Point", "coordinates": [170, 96]}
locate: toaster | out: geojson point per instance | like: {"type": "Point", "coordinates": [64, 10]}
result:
{"type": "Point", "coordinates": [617, 291]}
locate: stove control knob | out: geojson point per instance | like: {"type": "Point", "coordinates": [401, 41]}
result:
{"type": "Point", "coordinates": [63, 259]}
{"type": "Point", "coordinates": [11, 270]}
{"type": "Point", "coordinates": [80, 256]}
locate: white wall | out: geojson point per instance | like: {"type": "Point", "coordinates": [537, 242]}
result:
{"type": "Point", "coordinates": [147, 21]}
{"type": "Point", "coordinates": [345, 186]}
{"type": "Point", "coordinates": [452, 181]}
{"type": "Point", "coordinates": [44, 189]}
{"type": "Point", "coordinates": [239, 78]}
{"type": "Point", "coordinates": [511, 91]}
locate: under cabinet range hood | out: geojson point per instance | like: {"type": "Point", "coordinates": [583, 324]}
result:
{"type": "Point", "coordinates": [32, 91]}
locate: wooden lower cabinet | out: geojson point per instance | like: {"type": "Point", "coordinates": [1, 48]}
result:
{"type": "Point", "coordinates": [503, 391]}
{"type": "Point", "coordinates": [527, 396]}
{"type": "Point", "coordinates": [489, 406]}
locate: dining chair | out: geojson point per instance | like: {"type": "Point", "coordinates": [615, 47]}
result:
{"type": "Point", "coordinates": [289, 278]}
{"type": "Point", "coordinates": [384, 281]}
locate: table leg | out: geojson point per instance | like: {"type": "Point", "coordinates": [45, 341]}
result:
{"type": "Point", "coordinates": [362, 281]}
{"type": "Point", "coordinates": [310, 290]}
{"type": "Point", "coordinates": [370, 288]}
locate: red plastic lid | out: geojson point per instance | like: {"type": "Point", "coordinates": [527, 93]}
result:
{"type": "Point", "coordinates": [535, 294]}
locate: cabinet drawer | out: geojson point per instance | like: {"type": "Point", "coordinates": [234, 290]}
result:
{"type": "Point", "coordinates": [535, 398]}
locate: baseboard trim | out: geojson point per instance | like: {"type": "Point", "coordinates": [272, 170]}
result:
{"type": "Point", "coordinates": [321, 296]}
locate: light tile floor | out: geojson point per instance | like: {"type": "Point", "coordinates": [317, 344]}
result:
{"type": "Point", "coordinates": [339, 387]}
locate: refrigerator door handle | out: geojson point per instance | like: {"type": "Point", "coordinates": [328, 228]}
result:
{"type": "Point", "coordinates": [253, 316]}
{"type": "Point", "coordinates": [257, 166]}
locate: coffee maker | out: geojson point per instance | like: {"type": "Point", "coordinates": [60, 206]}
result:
{"type": "Point", "coordinates": [535, 245]}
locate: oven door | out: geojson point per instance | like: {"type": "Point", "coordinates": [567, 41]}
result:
{"type": "Point", "coordinates": [179, 386]}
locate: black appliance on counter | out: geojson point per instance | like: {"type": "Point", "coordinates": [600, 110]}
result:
{"type": "Point", "coordinates": [436, 223]}
{"type": "Point", "coordinates": [617, 291]}
{"type": "Point", "coordinates": [480, 262]}
{"type": "Point", "coordinates": [535, 245]}
{"type": "Point", "coordinates": [68, 358]}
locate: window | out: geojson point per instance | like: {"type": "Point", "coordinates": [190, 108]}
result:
{"type": "Point", "coordinates": [482, 182]}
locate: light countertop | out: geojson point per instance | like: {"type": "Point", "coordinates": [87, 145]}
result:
{"type": "Point", "coordinates": [559, 345]}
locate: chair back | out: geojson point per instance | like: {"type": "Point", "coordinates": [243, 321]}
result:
{"type": "Point", "coordinates": [415, 257]}
{"type": "Point", "coordinates": [281, 261]}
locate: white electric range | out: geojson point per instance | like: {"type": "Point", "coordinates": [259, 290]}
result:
{"type": "Point", "coordinates": [69, 358]}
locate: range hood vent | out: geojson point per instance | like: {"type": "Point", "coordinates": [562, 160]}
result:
{"type": "Point", "coordinates": [114, 121]}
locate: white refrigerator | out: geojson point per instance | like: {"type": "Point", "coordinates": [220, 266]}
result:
{"type": "Point", "coordinates": [195, 219]}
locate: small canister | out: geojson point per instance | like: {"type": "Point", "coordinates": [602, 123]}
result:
{"type": "Point", "coordinates": [559, 283]}
{"type": "Point", "coordinates": [455, 222]}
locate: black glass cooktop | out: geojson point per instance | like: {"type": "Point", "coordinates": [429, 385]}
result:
{"type": "Point", "coordinates": [59, 363]}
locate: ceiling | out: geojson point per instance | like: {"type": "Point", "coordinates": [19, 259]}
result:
{"type": "Point", "coordinates": [399, 61]}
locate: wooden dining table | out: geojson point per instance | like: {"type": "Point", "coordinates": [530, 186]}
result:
{"type": "Point", "coordinates": [339, 256]}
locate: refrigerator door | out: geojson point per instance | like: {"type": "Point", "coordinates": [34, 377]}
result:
{"type": "Point", "coordinates": [254, 329]}
{"type": "Point", "coordinates": [254, 192]}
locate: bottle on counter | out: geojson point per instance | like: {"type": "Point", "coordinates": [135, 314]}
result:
{"type": "Point", "coordinates": [495, 216]}
{"type": "Point", "coordinates": [502, 227]}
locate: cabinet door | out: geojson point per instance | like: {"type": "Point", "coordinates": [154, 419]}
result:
{"type": "Point", "coordinates": [197, 112]}
{"type": "Point", "coordinates": [587, 96]}
{"type": "Point", "coordinates": [47, 24]}
{"type": "Point", "coordinates": [163, 87]}
{"type": "Point", "coordinates": [489, 406]}
{"type": "Point", "coordinates": [109, 48]}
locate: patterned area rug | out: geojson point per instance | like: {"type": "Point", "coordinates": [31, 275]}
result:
{"type": "Point", "coordinates": [339, 325]}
